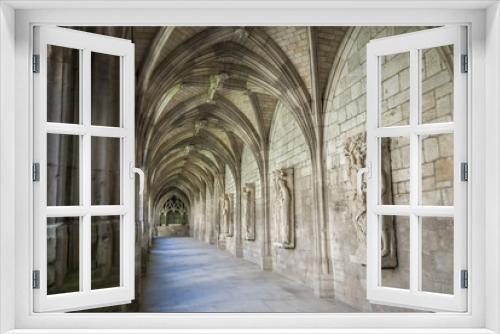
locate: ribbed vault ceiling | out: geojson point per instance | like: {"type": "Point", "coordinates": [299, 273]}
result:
{"type": "Point", "coordinates": [205, 92]}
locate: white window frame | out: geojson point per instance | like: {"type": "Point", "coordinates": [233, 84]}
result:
{"type": "Point", "coordinates": [484, 103]}
{"type": "Point", "coordinates": [86, 43]}
{"type": "Point", "coordinates": [413, 44]}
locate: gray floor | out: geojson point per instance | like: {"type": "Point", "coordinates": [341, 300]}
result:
{"type": "Point", "coordinates": [186, 275]}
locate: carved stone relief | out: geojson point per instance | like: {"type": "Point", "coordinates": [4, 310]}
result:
{"type": "Point", "coordinates": [283, 208]}
{"type": "Point", "coordinates": [216, 84]}
{"type": "Point", "coordinates": [226, 215]}
{"type": "Point", "coordinates": [221, 226]}
{"type": "Point", "coordinates": [249, 211]}
{"type": "Point", "coordinates": [355, 153]}
{"type": "Point", "coordinates": [241, 34]}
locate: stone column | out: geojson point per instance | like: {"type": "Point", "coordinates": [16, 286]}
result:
{"type": "Point", "coordinates": [208, 215]}
{"type": "Point", "coordinates": [266, 254]}
{"type": "Point", "coordinates": [150, 215]}
{"type": "Point", "coordinates": [145, 239]}
{"type": "Point", "coordinates": [213, 216]}
{"type": "Point", "coordinates": [238, 247]}
{"type": "Point", "coordinates": [203, 216]}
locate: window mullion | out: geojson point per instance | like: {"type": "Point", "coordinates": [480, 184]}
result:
{"type": "Point", "coordinates": [414, 170]}
{"type": "Point", "coordinates": [86, 175]}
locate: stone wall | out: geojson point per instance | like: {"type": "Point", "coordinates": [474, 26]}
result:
{"type": "Point", "coordinates": [252, 249]}
{"type": "Point", "coordinates": [346, 117]}
{"type": "Point", "coordinates": [173, 231]}
{"type": "Point", "coordinates": [288, 149]}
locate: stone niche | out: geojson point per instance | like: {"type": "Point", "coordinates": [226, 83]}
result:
{"type": "Point", "coordinates": [355, 154]}
{"type": "Point", "coordinates": [248, 225]}
{"type": "Point", "coordinates": [283, 208]}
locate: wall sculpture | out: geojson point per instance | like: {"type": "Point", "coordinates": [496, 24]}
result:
{"type": "Point", "coordinates": [249, 211]}
{"type": "Point", "coordinates": [355, 153]}
{"type": "Point", "coordinates": [227, 215]}
{"type": "Point", "coordinates": [283, 208]}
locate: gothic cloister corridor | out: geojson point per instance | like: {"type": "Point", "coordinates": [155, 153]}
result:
{"type": "Point", "coordinates": [250, 139]}
{"type": "Point", "coordinates": [186, 275]}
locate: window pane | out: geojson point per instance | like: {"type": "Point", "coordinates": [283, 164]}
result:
{"type": "Point", "coordinates": [105, 171]}
{"type": "Point", "coordinates": [63, 255]}
{"type": "Point", "coordinates": [63, 170]}
{"type": "Point", "coordinates": [63, 85]}
{"type": "Point", "coordinates": [437, 254]}
{"type": "Point", "coordinates": [105, 77]}
{"type": "Point", "coordinates": [437, 169]}
{"type": "Point", "coordinates": [437, 84]}
{"type": "Point", "coordinates": [105, 256]}
{"type": "Point", "coordinates": [395, 99]}
{"type": "Point", "coordinates": [395, 252]}
{"type": "Point", "coordinates": [395, 171]}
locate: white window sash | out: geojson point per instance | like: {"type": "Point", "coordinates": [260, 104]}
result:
{"type": "Point", "coordinates": [86, 298]}
{"type": "Point", "coordinates": [413, 42]}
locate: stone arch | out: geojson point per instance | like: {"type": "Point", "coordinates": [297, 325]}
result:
{"type": "Point", "coordinates": [284, 131]}
{"type": "Point", "coordinates": [345, 115]}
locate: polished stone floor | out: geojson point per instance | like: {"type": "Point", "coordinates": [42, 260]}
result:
{"type": "Point", "coordinates": [186, 275]}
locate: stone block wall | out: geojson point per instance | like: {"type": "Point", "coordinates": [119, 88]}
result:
{"type": "Point", "coordinates": [293, 41]}
{"type": "Point", "coordinates": [346, 117]}
{"type": "Point", "coordinates": [288, 149]}
{"type": "Point", "coordinates": [252, 249]}
{"type": "Point", "coordinates": [173, 231]}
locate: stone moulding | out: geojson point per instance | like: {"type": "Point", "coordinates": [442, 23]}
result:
{"type": "Point", "coordinates": [355, 154]}
{"type": "Point", "coordinates": [248, 213]}
{"type": "Point", "coordinates": [284, 212]}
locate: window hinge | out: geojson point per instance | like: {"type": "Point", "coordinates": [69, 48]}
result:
{"type": "Point", "coordinates": [465, 64]}
{"type": "Point", "coordinates": [464, 171]}
{"type": "Point", "coordinates": [36, 279]}
{"type": "Point", "coordinates": [36, 172]}
{"type": "Point", "coordinates": [465, 279]}
{"type": "Point", "coordinates": [36, 63]}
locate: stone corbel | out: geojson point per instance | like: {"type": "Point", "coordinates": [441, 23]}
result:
{"type": "Point", "coordinates": [216, 84]}
{"type": "Point", "coordinates": [241, 34]}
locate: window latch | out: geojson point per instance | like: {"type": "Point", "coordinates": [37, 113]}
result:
{"type": "Point", "coordinates": [368, 170]}
{"type": "Point", "coordinates": [139, 171]}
